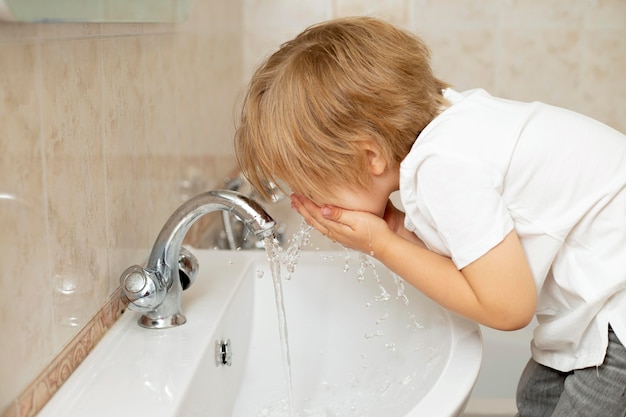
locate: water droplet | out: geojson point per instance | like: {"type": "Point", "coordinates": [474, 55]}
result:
{"type": "Point", "coordinates": [373, 334]}
{"type": "Point", "coordinates": [382, 318]}
{"type": "Point", "coordinates": [408, 378]}
{"type": "Point", "coordinates": [400, 289]}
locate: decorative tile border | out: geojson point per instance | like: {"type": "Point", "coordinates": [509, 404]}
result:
{"type": "Point", "coordinates": [39, 392]}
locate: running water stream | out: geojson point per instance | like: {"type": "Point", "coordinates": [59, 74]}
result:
{"type": "Point", "coordinates": [273, 254]}
{"type": "Point", "coordinates": [288, 258]}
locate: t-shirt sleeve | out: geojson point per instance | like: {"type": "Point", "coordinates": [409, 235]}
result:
{"type": "Point", "coordinates": [461, 198]}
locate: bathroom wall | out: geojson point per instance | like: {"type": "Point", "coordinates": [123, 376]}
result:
{"type": "Point", "coordinates": [564, 52]}
{"type": "Point", "coordinates": [104, 130]}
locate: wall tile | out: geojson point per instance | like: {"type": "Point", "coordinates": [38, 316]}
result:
{"type": "Point", "coordinates": [605, 15]}
{"type": "Point", "coordinates": [74, 160]}
{"type": "Point", "coordinates": [464, 58]}
{"type": "Point", "coordinates": [442, 16]}
{"type": "Point", "coordinates": [603, 84]}
{"type": "Point", "coordinates": [68, 30]}
{"type": "Point", "coordinates": [18, 31]}
{"type": "Point", "coordinates": [542, 65]}
{"type": "Point", "coordinates": [127, 154]}
{"type": "Point", "coordinates": [164, 166]}
{"type": "Point", "coordinates": [207, 120]}
{"type": "Point", "coordinates": [121, 29]}
{"type": "Point", "coordinates": [534, 14]}
{"type": "Point", "coordinates": [208, 88]}
{"type": "Point", "coordinates": [268, 23]}
{"type": "Point", "coordinates": [23, 246]}
{"type": "Point", "coordinates": [201, 17]}
{"type": "Point", "coordinates": [394, 11]}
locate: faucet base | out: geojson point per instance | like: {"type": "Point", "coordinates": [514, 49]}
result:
{"type": "Point", "coordinates": [162, 323]}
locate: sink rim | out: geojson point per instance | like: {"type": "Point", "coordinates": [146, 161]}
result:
{"type": "Point", "coordinates": [84, 387]}
{"type": "Point", "coordinates": [468, 334]}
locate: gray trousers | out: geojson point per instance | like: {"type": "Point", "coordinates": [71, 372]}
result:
{"type": "Point", "coordinates": [589, 392]}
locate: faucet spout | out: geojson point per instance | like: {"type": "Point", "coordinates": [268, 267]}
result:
{"type": "Point", "coordinates": [156, 289]}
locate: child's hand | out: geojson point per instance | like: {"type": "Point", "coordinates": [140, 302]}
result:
{"type": "Point", "coordinates": [356, 230]}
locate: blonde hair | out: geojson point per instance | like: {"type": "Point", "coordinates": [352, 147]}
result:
{"type": "Point", "coordinates": [311, 104]}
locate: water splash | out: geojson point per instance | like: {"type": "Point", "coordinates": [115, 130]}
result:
{"type": "Point", "coordinates": [382, 318]}
{"type": "Point", "coordinates": [346, 258]}
{"type": "Point", "coordinates": [288, 259]}
{"type": "Point", "coordinates": [290, 256]}
{"type": "Point", "coordinates": [400, 289]}
{"type": "Point", "coordinates": [414, 323]}
{"type": "Point", "coordinates": [365, 263]}
{"type": "Point", "coordinates": [373, 334]}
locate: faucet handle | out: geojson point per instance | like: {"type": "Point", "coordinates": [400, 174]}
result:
{"type": "Point", "coordinates": [143, 288]}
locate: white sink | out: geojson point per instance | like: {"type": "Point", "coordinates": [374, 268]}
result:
{"type": "Point", "coordinates": [351, 353]}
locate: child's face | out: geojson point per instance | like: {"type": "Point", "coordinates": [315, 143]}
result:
{"type": "Point", "coordinates": [360, 199]}
{"type": "Point", "coordinates": [372, 199]}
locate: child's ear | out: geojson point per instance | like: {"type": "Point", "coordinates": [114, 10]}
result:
{"type": "Point", "coordinates": [377, 164]}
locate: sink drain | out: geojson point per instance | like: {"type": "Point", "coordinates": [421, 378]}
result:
{"type": "Point", "coordinates": [223, 353]}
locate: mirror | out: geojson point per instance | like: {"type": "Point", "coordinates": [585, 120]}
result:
{"type": "Point", "coordinates": [46, 11]}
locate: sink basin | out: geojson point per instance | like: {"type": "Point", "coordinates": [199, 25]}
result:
{"type": "Point", "coordinates": [356, 348]}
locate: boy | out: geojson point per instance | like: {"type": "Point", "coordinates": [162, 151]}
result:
{"type": "Point", "coordinates": [512, 209]}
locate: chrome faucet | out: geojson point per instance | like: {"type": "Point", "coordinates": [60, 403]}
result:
{"type": "Point", "coordinates": [156, 290]}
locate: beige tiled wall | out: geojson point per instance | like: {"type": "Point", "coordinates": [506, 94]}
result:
{"type": "Point", "coordinates": [104, 130]}
{"type": "Point", "coordinates": [569, 53]}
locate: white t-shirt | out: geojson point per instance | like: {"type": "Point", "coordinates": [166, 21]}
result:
{"type": "Point", "coordinates": [485, 166]}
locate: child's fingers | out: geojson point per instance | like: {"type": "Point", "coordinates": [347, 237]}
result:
{"type": "Point", "coordinates": [315, 217]}
{"type": "Point", "coordinates": [308, 210]}
{"type": "Point", "coordinates": [331, 213]}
